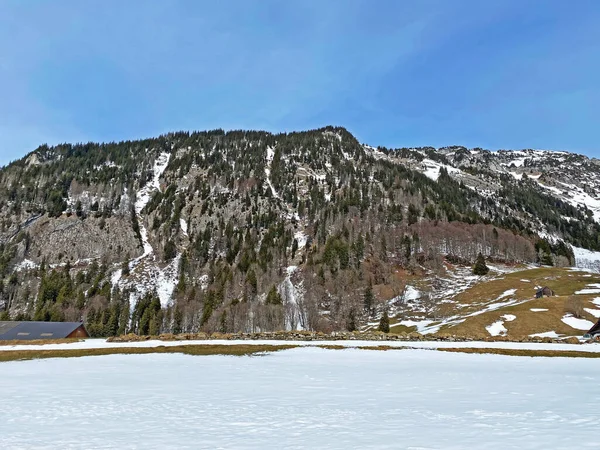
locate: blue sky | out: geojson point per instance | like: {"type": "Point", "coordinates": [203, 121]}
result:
{"type": "Point", "coordinates": [495, 74]}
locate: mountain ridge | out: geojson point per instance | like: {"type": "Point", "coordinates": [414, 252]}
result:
{"type": "Point", "coordinates": [192, 231]}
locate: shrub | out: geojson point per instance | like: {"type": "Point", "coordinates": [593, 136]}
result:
{"type": "Point", "coordinates": [574, 305]}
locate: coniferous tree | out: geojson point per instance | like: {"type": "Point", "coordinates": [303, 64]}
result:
{"type": "Point", "coordinates": [369, 299]}
{"type": "Point", "coordinates": [273, 297]}
{"type": "Point", "coordinates": [384, 322]}
{"type": "Point", "coordinates": [352, 325]}
{"type": "Point", "coordinates": [480, 268]}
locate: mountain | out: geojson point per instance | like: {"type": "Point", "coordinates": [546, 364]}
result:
{"type": "Point", "coordinates": [248, 230]}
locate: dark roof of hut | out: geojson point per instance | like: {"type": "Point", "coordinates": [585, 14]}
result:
{"type": "Point", "coordinates": [36, 330]}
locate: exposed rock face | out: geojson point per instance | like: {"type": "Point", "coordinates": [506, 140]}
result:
{"type": "Point", "coordinates": [68, 238]}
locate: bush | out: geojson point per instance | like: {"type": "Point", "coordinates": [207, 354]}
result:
{"type": "Point", "coordinates": [574, 305]}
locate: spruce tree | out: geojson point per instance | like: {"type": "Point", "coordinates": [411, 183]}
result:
{"type": "Point", "coordinates": [273, 297]}
{"type": "Point", "coordinates": [352, 321]}
{"type": "Point", "coordinates": [384, 322]}
{"type": "Point", "coordinates": [369, 299]}
{"type": "Point", "coordinates": [480, 268]}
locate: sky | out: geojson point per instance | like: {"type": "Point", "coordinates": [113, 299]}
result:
{"type": "Point", "coordinates": [492, 74]}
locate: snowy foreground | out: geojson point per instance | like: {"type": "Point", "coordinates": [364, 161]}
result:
{"type": "Point", "coordinates": [301, 398]}
{"type": "Point", "coordinates": [102, 343]}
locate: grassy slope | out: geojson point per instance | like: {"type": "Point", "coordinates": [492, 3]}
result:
{"type": "Point", "coordinates": [563, 281]}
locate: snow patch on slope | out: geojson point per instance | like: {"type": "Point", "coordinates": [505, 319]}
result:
{"type": "Point", "coordinates": [550, 334]}
{"type": "Point", "coordinates": [145, 275]}
{"type": "Point", "coordinates": [497, 328]}
{"type": "Point", "coordinates": [167, 280]}
{"type": "Point", "coordinates": [142, 199]}
{"type": "Point", "coordinates": [578, 324]}
{"type": "Point", "coordinates": [507, 293]}
{"type": "Point", "coordinates": [586, 259]}
{"type": "Point", "coordinates": [270, 155]}
{"type": "Point", "coordinates": [184, 226]}
{"type": "Point", "coordinates": [26, 264]}
{"type": "Point", "coordinates": [431, 169]}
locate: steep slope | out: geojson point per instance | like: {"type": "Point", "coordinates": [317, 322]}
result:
{"type": "Point", "coordinates": [247, 231]}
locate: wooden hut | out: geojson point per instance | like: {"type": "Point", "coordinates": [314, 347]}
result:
{"type": "Point", "coordinates": [28, 331]}
{"type": "Point", "coordinates": [544, 292]}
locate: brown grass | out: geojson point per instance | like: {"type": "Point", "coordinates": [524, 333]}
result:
{"type": "Point", "coordinates": [380, 347]}
{"type": "Point", "coordinates": [195, 350]}
{"type": "Point", "coordinates": [562, 281]}
{"type": "Point", "coordinates": [518, 352]}
{"type": "Point", "coordinates": [332, 347]}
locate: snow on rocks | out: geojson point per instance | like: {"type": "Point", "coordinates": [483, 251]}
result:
{"type": "Point", "coordinates": [270, 155]}
{"type": "Point", "coordinates": [578, 324]}
{"type": "Point", "coordinates": [146, 275]}
{"type": "Point", "coordinates": [115, 278]}
{"type": "Point", "coordinates": [411, 293]}
{"type": "Point", "coordinates": [509, 317]}
{"type": "Point", "coordinates": [26, 264]}
{"type": "Point", "coordinates": [184, 226]}
{"type": "Point", "coordinates": [302, 239]}
{"type": "Point", "coordinates": [167, 280]}
{"type": "Point", "coordinates": [538, 309]}
{"type": "Point", "coordinates": [142, 199]}
{"type": "Point", "coordinates": [431, 169]}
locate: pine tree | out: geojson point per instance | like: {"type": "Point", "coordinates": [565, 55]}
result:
{"type": "Point", "coordinates": [352, 321]}
{"type": "Point", "coordinates": [369, 299]}
{"type": "Point", "coordinates": [223, 322]}
{"type": "Point", "coordinates": [384, 322]}
{"type": "Point", "coordinates": [273, 297]}
{"type": "Point", "coordinates": [480, 268]}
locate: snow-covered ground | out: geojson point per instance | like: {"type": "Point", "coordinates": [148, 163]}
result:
{"type": "Point", "coordinates": [302, 398]}
{"type": "Point", "coordinates": [550, 334]}
{"type": "Point", "coordinates": [593, 288]}
{"type": "Point", "coordinates": [498, 328]}
{"type": "Point", "coordinates": [586, 258]}
{"type": "Point", "coordinates": [578, 324]}
{"type": "Point", "coordinates": [102, 343]}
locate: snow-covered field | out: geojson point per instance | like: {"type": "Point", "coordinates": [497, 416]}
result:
{"type": "Point", "coordinates": [301, 398]}
{"type": "Point", "coordinates": [102, 343]}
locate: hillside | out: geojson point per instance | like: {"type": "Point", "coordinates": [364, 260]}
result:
{"type": "Point", "coordinates": [500, 304]}
{"type": "Point", "coordinates": [248, 230]}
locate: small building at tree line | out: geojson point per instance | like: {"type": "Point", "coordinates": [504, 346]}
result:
{"type": "Point", "coordinates": [544, 292]}
{"type": "Point", "coordinates": [28, 331]}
